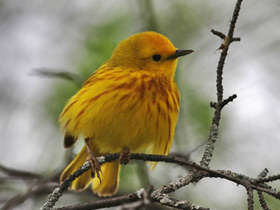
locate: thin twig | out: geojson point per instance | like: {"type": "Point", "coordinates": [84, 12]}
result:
{"type": "Point", "coordinates": [145, 200]}
{"type": "Point", "coordinates": [18, 173]}
{"type": "Point", "coordinates": [207, 156]}
{"type": "Point", "coordinates": [104, 203]}
{"type": "Point", "coordinates": [33, 191]}
{"type": "Point", "coordinates": [166, 200]}
{"type": "Point", "coordinates": [210, 146]}
{"type": "Point", "coordinates": [250, 199]}
{"type": "Point", "coordinates": [218, 33]}
{"type": "Point", "coordinates": [262, 201]}
{"type": "Point", "coordinates": [55, 73]}
{"type": "Point", "coordinates": [268, 179]}
{"type": "Point", "coordinates": [229, 99]}
{"type": "Point", "coordinates": [263, 173]}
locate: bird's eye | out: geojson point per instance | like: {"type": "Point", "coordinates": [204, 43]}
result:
{"type": "Point", "coordinates": [156, 57]}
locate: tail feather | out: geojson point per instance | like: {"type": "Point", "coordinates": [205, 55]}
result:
{"type": "Point", "coordinates": [82, 181]}
{"type": "Point", "coordinates": [110, 179]}
{"type": "Point", "coordinates": [109, 176]}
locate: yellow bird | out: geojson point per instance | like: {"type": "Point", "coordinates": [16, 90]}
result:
{"type": "Point", "coordinates": [130, 104]}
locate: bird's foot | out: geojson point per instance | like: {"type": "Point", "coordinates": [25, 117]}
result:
{"type": "Point", "coordinates": [125, 156]}
{"type": "Point", "coordinates": [95, 166]}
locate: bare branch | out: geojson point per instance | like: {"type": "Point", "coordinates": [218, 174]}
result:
{"type": "Point", "coordinates": [268, 179]}
{"type": "Point", "coordinates": [229, 99]}
{"type": "Point", "coordinates": [210, 146]}
{"type": "Point", "coordinates": [236, 39]}
{"type": "Point", "coordinates": [166, 200]}
{"type": "Point", "coordinates": [108, 202]}
{"type": "Point", "coordinates": [263, 173]}
{"type": "Point", "coordinates": [207, 156]}
{"type": "Point", "coordinates": [33, 191]}
{"type": "Point", "coordinates": [19, 173]}
{"type": "Point", "coordinates": [163, 199]}
{"type": "Point", "coordinates": [145, 200]}
{"type": "Point", "coordinates": [218, 33]}
{"type": "Point", "coordinates": [54, 73]}
{"type": "Point", "coordinates": [197, 174]}
{"type": "Point", "coordinates": [262, 201]}
{"type": "Point", "coordinates": [250, 199]}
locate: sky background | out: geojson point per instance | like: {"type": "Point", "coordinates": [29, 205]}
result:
{"type": "Point", "coordinates": [78, 36]}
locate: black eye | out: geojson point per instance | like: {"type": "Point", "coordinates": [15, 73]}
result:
{"type": "Point", "coordinates": [156, 57]}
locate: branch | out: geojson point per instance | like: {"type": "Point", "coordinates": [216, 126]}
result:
{"type": "Point", "coordinates": [139, 195]}
{"type": "Point", "coordinates": [262, 201]}
{"type": "Point", "coordinates": [33, 191]}
{"type": "Point", "coordinates": [268, 179]}
{"type": "Point", "coordinates": [207, 156]}
{"type": "Point", "coordinates": [199, 173]}
{"type": "Point", "coordinates": [19, 173]}
{"type": "Point", "coordinates": [54, 73]}
{"type": "Point", "coordinates": [145, 199]}
{"type": "Point", "coordinates": [42, 185]}
{"type": "Point", "coordinates": [210, 146]}
{"type": "Point", "coordinates": [108, 202]}
{"type": "Point", "coordinates": [166, 200]}
{"type": "Point", "coordinates": [250, 199]}
{"type": "Point", "coordinates": [263, 174]}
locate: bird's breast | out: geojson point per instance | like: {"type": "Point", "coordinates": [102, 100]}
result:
{"type": "Point", "coordinates": [140, 114]}
{"type": "Point", "coordinates": [136, 111]}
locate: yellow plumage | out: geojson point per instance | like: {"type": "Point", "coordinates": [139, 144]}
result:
{"type": "Point", "coordinates": [130, 101]}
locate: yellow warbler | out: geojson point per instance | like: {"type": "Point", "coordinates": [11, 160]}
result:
{"type": "Point", "coordinates": [130, 103]}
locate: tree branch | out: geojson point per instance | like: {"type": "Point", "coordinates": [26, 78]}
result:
{"type": "Point", "coordinates": [262, 201]}
{"type": "Point", "coordinates": [33, 191]}
{"type": "Point", "coordinates": [199, 173]}
{"type": "Point", "coordinates": [104, 203]}
{"type": "Point", "coordinates": [19, 173]}
{"type": "Point", "coordinates": [250, 199]}
{"type": "Point", "coordinates": [55, 73]}
{"type": "Point", "coordinates": [207, 156]}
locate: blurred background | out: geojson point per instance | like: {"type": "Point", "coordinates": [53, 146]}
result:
{"type": "Point", "coordinates": [41, 38]}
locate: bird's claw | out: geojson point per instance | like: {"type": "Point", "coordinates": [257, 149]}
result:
{"type": "Point", "coordinates": [95, 167]}
{"type": "Point", "coordinates": [125, 156]}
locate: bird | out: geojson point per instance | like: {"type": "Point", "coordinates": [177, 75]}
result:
{"type": "Point", "coordinates": [130, 104]}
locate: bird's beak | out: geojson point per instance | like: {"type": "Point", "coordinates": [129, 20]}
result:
{"type": "Point", "coordinates": [179, 53]}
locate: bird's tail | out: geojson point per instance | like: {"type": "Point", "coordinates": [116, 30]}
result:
{"type": "Point", "coordinates": [109, 176]}
{"type": "Point", "coordinates": [110, 179]}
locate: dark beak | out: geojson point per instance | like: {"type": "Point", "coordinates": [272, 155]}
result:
{"type": "Point", "coordinates": [179, 53]}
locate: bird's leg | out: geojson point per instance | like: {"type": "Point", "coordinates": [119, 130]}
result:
{"type": "Point", "coordinates": [95, 167]}
{"type": "Point", "coordinates": [125, 156]}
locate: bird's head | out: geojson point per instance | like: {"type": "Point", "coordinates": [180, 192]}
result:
{"type": "Point", "coordinates": [148, 51]}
